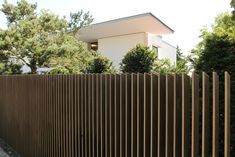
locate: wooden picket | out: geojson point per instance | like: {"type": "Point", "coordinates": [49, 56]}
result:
{"type": "Point", "coordinates": [114, 115]}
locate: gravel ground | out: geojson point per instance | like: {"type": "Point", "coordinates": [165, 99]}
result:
{"type": "Point", "coordinates": [6, 150]}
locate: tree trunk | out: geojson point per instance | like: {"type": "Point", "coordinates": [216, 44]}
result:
{"type": "Point", "coordinates": [33, 69]}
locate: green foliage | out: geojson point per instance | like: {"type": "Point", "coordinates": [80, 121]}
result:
{"type": "Point", "coordinates": [217, 49]}
{"type": "Point", "coordinates": [79, 20]}
{"type": "Point", "coordinates": [139, 59]}
{"type": "Point", "coordinates": [181, 62]}
{"type": "Point", "coordinates": [100, 64]}
{"type": "Point", "coordinates": [233, 6]}
{"type": "Point", "coordinates": [42, 39]}
{"type": "Point", "coordinates": [216, 52]}
{"type": "Point", "coordinates": [63, 70]}
{"type": "Point", "coordinates": [181, 66]}
{"type": "Point", "coordinates": [165, 66]}
{"type": "Point", "coordinates": [143, 59]}
{"type": "Point", "coordinates": [10, 68]}
{"type": "Point", "coordinates": [179, 54]}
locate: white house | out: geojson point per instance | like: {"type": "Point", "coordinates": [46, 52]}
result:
{"type": "Point", "coordinates": [114, 38]}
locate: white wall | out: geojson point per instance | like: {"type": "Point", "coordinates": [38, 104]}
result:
{"type": "Point", "coordinates": [165, 50]}
{"type": "Point", "coordinates": [116, 47]}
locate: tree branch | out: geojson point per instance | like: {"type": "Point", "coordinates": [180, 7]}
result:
{"type": "Point", "coordinates": [22, 59]}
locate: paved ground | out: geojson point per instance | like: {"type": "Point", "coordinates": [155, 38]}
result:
{"type": "Point", "coordinates": [2, 153]}
{"type": "Point", "coordinates": [6, 150]}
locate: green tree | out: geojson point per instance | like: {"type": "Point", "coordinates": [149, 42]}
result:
{"type": "Point", "coordinates": [41, 39]}
{"type": "Point", "coordinates": [165, 66]}
{"type": "Point", "coordinates": [139, 59]}
{"type": "Point", "coordinates": [100, 64]}
{"type": "Point", "coordinates": [179, 53]}
{"type": "Point", "coordinates": [181, 62]}
{"type": "Point", "coordinates": [78, 20]}
{"type": "Point", "coordinates": [233, 6]}
{"type": "Point", "coordinates": [10, 68]}
{"type": "Point", "coordinates": [216, 52]}
{"type": "Point", "coordinates": [63, 70]}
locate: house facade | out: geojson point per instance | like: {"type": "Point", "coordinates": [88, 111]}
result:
{"type": "Point", "coordinates": [114, 38]}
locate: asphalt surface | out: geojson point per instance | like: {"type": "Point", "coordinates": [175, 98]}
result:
{"type": "Point", "coordinates": [6, 150]}
{"type": "Point", "coordinates": [3, 154]}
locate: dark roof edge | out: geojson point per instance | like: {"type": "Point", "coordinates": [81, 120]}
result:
{"type": "Point", "coordinates": [133, 16]}
{"type": "Point", "coordinates": [161, 22]}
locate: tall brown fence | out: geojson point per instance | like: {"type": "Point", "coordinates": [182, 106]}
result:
{"type": "Point", "coordinates": [105, 115]}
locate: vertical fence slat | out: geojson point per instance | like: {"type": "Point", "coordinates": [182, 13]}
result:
{"type": "Point", "coordinates": [102, 114]}
{"type": "Point", "coordinates": [78, 104]}
{"type": "Point", "coordinates": [185, 115]}
{"type": "Point", "coordinates": [93, 90]}
{"type": "Point", "coordinates": [205, 115]}
{"type": "Point", "coordinates": [169, 115]}
{"type": "Point", "coordinates": [47, 131]}
{"type": "Point", "coordinates": [215, 117]}
{"type": "Point", "coordinates": [117, 115]}
{"type": "Point", "coordinates": [147, 106]}
{"type": "Point", "coordinates": [60, 79]}
{"type": "Point", "coordinates": [122, 115]}
{"type": "Point", "coordinates": [161, 115]}
{"type": "Point", "coordinates": [107, 106]}
{"type": "Point", "coordinates": [89, 97]}
{"type": "Point", "coordinates": [140, 101]}
{"type": "Point", "coordinates": [195, 115]}
{"type": "Point", "coordinates": [82, 116]}
{"type": "Point", "coordinates": [154, 115]}
{"type": "Point", "coordinates": [73, 109]}
{"type": "Point", "coordinates": [133, 115]}
{"type": "Point", "coordinates": [97, 116]}
{"type": "Point", "coordinates": [112, 115]}
{"type": "Point", "coordinates": [177, 116]}
{"type": "Point", "coordinates": [227, 115]}
{"type": "Point", "coordinates": [128, 115]}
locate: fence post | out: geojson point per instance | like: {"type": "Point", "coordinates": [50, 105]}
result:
{"type": "Point", "coordinates": [205, 115]}
{"type": "Point", "coordinates": [169, 115]}
{"type": "Point", "coordinates": [161, 115]}
{"type": "Point", "coordinates": [185, 115]}
{"type": "Point", "coordinates": [177, 116]}
{"type": "Point", "coordinates": [215, 130]}
{"type": "Point", "coordinates": [154, 115]}
{"type": "Point", "coordinates": [195, 115]}
{"type": "Point", "coordinates": [227, 115]}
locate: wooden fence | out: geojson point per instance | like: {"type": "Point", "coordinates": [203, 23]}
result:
{"type": "Point", "coordinates": [105, 115]}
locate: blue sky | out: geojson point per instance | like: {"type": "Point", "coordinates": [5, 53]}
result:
{"type": "Point", "coordinates": [185, 17]}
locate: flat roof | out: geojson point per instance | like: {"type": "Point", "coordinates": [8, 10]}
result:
{"type": "Point", "coordinates": [146, 22]}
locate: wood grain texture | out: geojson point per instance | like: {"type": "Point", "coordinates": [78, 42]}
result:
{"type": "Point", "coordinates": [106, 115]}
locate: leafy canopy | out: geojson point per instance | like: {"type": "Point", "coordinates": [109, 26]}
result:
{"type": "Point", "coordinates": [216, 52]}
{"type": "Point", "coordinates": [233, 6]}
{"type": "Point", "coordinates": [100, 64]}
{"type": "Point", "coordinates": [42, 39]}
{"type": "Point", "coordinates": [139, 59]}
{"type": "Point", "coordinates": [143, 59]}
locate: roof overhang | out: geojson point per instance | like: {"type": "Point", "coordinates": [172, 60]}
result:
{"type": "Point", "coordinates": [129, 25]}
